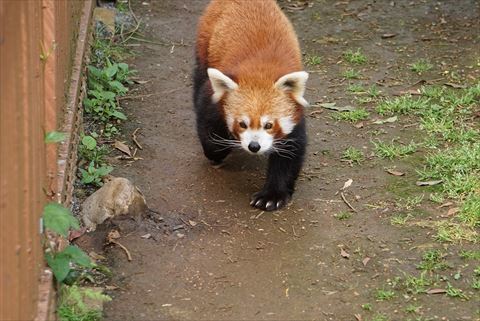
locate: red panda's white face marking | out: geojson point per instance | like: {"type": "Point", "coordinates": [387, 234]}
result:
{"type": "Point", "coordinates": [256, 114]}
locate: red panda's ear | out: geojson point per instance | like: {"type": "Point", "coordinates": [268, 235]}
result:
{"type": "Point", "coordinates": [294, 83]}
{"type": "Point", "coordinates": [220, 83]}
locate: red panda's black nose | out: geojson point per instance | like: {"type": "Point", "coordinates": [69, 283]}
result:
{"type": "Point", "coordinates": [254, 147]}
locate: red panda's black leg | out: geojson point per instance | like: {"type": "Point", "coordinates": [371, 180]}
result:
{"type": "Point", "coordinates": [282, 172]}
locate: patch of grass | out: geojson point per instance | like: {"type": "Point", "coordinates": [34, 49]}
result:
{"type": "Point", "coordinates": [402, 105]}
{"type": "Point", "coordinates": [417, 285]}
{"type": "Point", "coordinates": [470, 255]}
{"type": "Point", "coordinates": [420, 66]}
{"type": "Point", "coordinates": [470, 211]}
{"type": "Point", "coordinates": [351, 74]}
{"type": "Point", "coordinates": [355, 57]}
{"type": "Point", "coordinates": [353, 155]}
{"type": "Point", "coordinates": [433, 260]}
{"type": "Point", "coordinates": [409, 203]}
{"type": "Point", "coordinates": [459, 168]}
{"type": "Point", "coordinates": [373, 91]}
{"type": "Point", "coordinates": [343, 215]}
{"type": "Point", "coordinates": [451, 232]}
{"type": "Point", "coordinates": [455, 292]}
{"type": "Point", "coordinates": [413, 308]}
{"type": "Point", "coordinates": [384, 295]}
{"type": "Point", "coordinates": [367, 307]}
{"type": "Point", "coordinates": [355, 88]}
{"type": "Point", "coordinates": [393, 150]}
{"type": "Point", "coordinates": [400, 219]}
{"type": "Point", "coordinates": [476, 284]}
{"type": "Point", "coordinates": [72, 306]}
{"type": "Point", "coordinates": [437, 198]}
{"type": "Point", "coordinates": [352, 116]}
{"type": "Point", "coordinates": [313, 60]}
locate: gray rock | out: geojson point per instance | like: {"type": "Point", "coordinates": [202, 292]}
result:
{"type": "Point", "coordinates": [117, 197]}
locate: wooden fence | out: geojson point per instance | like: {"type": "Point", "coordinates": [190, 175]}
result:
{"type": "Point", "coordinates": [40, 40]}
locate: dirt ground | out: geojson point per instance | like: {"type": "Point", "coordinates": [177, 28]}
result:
{"type": "Point", "coordinates": [210, 255]}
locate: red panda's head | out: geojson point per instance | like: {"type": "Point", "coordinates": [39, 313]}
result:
{"type": "Point", "coordinates": [259, 113]}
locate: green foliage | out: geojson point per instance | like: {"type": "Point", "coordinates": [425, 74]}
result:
{"type": "Point", "coordinates": [90, 151]}
{"type": "Point", "coordinates": [63, 262]}
{"type": "Point", "coordinates": [343, 215]}
{"type": "Point", "coordinates": [58, 219]}
{"type": "Point", "coordinates": [393, 150]}
{"type": "Point", "coordinates": [313, 60]}
{"type": "Point", "coordinates": [355, 57]}
{"type": "Point", "coordinates": [104, 85]}
{"type": "Point", "coordinates": [94, 174]}
{"type": "Point", "coordinates": [416, 285]}
{"type": "Point", "coordinates": [367, 307]}
{"type": "Point", "coordinates": [110, 131]}
{"type": "Point", "coordinates": [455, 293]}
{"type": "Point", "coordinates": [351, 74]}
{"type": "Point", "coordinates": [355, 88]}
{"type": "Point", "coordinates": [402, 105]}
{"type": "Point", "coordinates": [54, 137]}
{"type": "Point", "coordinates": [470, 255]}
{"type": "Point", "coordinates": [352, 116]}
{"type": "Point", "coordinates": [432, 260]}
{"type": "Point", "coordinates": [353, 155]}
{"type": "Point", "coordinates": [72, 305]}
{"type": "Point", "coordinates": [421, 66]}
{"type": "Point", "coordinates": [384, 295]}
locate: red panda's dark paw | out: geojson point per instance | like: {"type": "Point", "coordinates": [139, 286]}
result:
{"type": "Point", "coordinates": [270, 200]}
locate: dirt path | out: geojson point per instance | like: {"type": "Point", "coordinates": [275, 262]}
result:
{"type": "Point", "coordinates": [213, 257]}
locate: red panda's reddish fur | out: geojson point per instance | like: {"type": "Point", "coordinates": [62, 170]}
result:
{"type": "Point", "coordinates": [257, 34]}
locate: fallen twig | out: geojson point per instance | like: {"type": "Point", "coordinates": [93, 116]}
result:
{"type": "Point", "coordinates": [346, 202]}
{"type": "Point", "coordinates": [134, 138]}
{"type": "Point", "coordinates": [111, 238]}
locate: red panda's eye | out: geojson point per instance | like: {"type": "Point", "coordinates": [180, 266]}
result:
{"type": "Point", "coordinates": [242, 124]}
{"type": "Point", "coordinates": [268, 126]}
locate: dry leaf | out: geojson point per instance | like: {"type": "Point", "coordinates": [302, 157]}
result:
{"type": "Point", "coordinates": [429, 183]}
{"type": "Point", "coordinates": [456, 86]}
{"type": "Point", "coordinates": [192, 223]}
{"type": "Point", "coordinates": [146, 236]}
{"type": "Point", "coordinates": [347, 184]}
{"type": "Point", "coordinates": [344, 254]}
{"type": "Point", "coordinates": [453, 211]}
{"type": "Point", "coordinates": [123, 148]}
{"type": "Point", "coordinates": [365, 261]}
{"type": "Point", "coordinates": [358, 317]}
{"type": "Point", "coordinates": [388, 35]}
{"type": "Point", "coordinates": [447, 204]}
{"type": "Point", "coordinates": [388, 120]}
{"type": "Point", "coordinates": [394, 172]}
{"type": "Point", "coordinates": [436, 291]}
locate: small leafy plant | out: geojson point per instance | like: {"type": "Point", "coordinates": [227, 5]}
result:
{"type": "Point", "coordinates": [421, 66]}
{"type": "Point", "coordinates": [60, 220]}
{"type": "Point", "coordinates": [355, 57]}
{"type": "Point", "coordinates": [351, 74]}
{"type": "Point", "coordinates": [90, 151]}
{"type": "Point", "coordinates": [94, 175]}
{"type": "Point", "coordinates": [352, 116]}
{"type": "Point", "coordinates": [353, 155]}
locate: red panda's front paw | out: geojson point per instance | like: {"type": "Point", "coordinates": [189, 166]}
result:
{"type": "Point", "coordinates": [270, 200]}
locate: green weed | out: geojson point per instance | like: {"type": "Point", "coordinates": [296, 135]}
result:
{"type": "Point", "coordinates": [94, 174]}
{"type": "Point", "coordinates": [416, 285]}
{"type": "Point", "coordinates": [379, 317]}
{"type": "Point", "coordinates": [409, 203]}
{"type": "Point", "coordinates": [420, 66]}
{"type": "Point", "coordinates": [373, 91]}
{"type": "Point", "coordinates": [351, 74]}
{"type": "Point", "coordinates": [393, 150]}
{"type": "Point", "coordinates": [343, 216]}
{"type": "Point", "coordinates": [412, 308]}
{"type": "Point", "coordinates": [367, 307]}
{"type": "Point", "coordinates": [355, 57]}
{"type": "Point", "coordinates": [476, 283]}
{"type": "Point", "coordinates": [313, 60]}
{"type": "Point", "coordinates": [72, 306]}
{"type": "Point", "coordinates": [384, 295]}
{"type": "Point", "coordinates": [353, 155]}
{"type": "Point", "coordinates": [470, 255]}
{"type": "Point", "coordinates": [432, 260]}
{"type": "Point", "coordinates": [352, 116]}
{"type": "Point", "coordinates": [455, 293]}
{"type": "Point", "coordinates": [355, 88]}
{"type": "Point", "coordinates": [91, 151]}
{"type": "Point", "coordinates": [402, 105]}
{"type": "Point", "coordinates": [400, 219]}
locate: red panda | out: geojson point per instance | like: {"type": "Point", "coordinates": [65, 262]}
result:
{"type": "Point", "coordinates": [248, 91]}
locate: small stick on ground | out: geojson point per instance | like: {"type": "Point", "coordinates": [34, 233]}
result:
{"type": "Point", "coordinates": [346, 202]}
{"type": "Point", "coordinates": [134, 138]}
{"type": "Point", "coordinates": [111, 238]}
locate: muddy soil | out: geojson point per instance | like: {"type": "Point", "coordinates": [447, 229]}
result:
{"type": "Point", "coordinates": [210, 255]}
